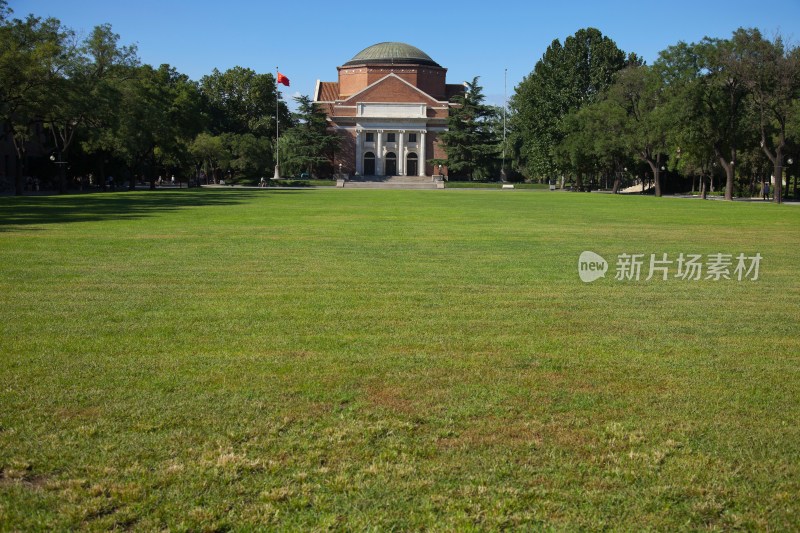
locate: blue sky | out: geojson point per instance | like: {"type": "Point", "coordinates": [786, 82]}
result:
{"type": "Point", "coordinates": [308, 39]}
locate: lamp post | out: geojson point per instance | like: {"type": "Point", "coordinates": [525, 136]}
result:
{"type": "Point", "coordinates": [505, 104]}
{"type": "Point", "coordinates": [779, 180]}
{"type": "Point", "coordinates": [624, 176]}
{"type": "Point", "coordinates": [61, 167]}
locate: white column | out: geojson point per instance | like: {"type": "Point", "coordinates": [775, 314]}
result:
{"type": "Point", "coordinates": [379, 154]}
{"type": "Point", "coordinates": [401, 154]}
{"type": "Point", "coordinates": [421, 153]}
{"type": "Point", "coordinates": [359, 154]}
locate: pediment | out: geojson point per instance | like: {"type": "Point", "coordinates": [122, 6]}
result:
{"type": "Point", "coordinates": [392, 88]}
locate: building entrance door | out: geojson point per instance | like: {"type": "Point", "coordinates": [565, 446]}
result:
{"type": "Point", "coordinates": [369, 164]}
{"type": "Point", "coordinates": [411, 165]}
{"type": "Point", "coordinates": [391, 164]}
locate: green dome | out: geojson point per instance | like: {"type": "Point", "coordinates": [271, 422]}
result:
{"type": "Point", "coordinates": [392, 53]}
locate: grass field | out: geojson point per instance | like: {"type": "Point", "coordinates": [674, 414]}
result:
{"type": "Point", "coordinates": [492, 185]}
{"type": "Point", "coordinates": [353, 359]}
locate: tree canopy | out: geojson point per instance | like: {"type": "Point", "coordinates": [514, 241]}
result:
{"type": "Point", "coordinates": [471, 142]}
{"type": "Point", "coordinates": [567, 77]}
{"type": "Point", "coordinates": [722, 105]}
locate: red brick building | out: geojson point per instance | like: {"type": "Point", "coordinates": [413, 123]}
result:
{"type": "Point", "coordinates": [389, 106]}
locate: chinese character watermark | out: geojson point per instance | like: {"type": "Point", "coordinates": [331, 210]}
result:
{"type": "Point", "coordinates": [688, 267]}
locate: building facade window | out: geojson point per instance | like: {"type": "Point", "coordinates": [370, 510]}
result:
{"type": "Point", "coordinates": [369, 137]}
{"type": "Point", "coordinates": [412, 137]}
{"type": "Point", "coordinates": [391, 137]}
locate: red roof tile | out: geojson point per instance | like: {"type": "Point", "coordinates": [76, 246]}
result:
{"type": "Point", "coordinates": [328, 91]}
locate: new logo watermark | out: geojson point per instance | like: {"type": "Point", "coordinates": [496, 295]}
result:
{"type": "Point", "coordinates": [591, 266]}
{"type": "Point", "coordinates": [688, 267]}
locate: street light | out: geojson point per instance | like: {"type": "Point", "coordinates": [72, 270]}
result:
{"type": "Point", "coordinates": [61, 169]}
{"type": "Point", "coordinates": [505, 104]}
{"type": "Point", "coordinates": [779, 180]}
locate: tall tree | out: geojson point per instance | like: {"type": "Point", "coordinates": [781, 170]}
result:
{"type": "Point", "coordinates": [771, 72]}
{"type": "Point", "coordinates": [86, 93]}
{"type": "Point", "coordinates": [597, 140]}
{"type": "Point", "coordinates": [242, 101]}
{"type": "Point", "coordinates": [210, 155]}
{"type": "Point", "coordinates": [158, 116]}
{"type": "Point", "coordinates": [250, 156]}
{"type": "Point", "coordinates": [640, 92]}
{"type": "Point", "coordinates": [308, 145]}
{"type": "Point", "coordinates": [32, 54]}
{"type": "Point", "coordinates": [471, 142]}
{"type": "Point", "coordinates": [567, 77]}
{"type": "Point", "coordinates": [712, 98]}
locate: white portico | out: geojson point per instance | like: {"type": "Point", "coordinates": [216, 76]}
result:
{"type": "Point", "coordinates": [391, 139]}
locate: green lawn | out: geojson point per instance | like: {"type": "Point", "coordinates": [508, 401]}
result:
{"type": "Point", "coordinates": [492, 185]}
{"type": "Point", "coordinates": [353, 359]}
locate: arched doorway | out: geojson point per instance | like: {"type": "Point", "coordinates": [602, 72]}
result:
{"type": "Point", "coordinates": [412, 164]}
{"type": "Point", "coordinates": [391, 164]}
{"type": "Point", "coordinates": [369, 164]}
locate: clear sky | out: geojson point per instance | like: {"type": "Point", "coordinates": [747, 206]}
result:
{"type": "Point", "coordinates": [308, 39]}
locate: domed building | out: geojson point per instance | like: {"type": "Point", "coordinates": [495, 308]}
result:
{"type": "Point", "coordinates": [389, 105]}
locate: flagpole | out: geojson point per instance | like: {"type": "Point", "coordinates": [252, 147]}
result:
{"type": "Point", "coordinates": [277, 128]}
{"type": "Point", "coordinates": [505, 104]}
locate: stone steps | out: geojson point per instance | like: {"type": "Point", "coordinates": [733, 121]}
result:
{"type": "Point", "coordinates": [388, 185]}
{"type": "Point", "coordinates": [391, 182]}
{"type": "Point", "coordinates": [641, 187]}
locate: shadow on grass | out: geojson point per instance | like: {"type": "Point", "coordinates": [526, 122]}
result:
{"type": "Point", "coordinates": [16, 212]}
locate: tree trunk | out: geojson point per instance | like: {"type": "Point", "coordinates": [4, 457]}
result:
{"type": "Point", "coordinates": [777, 172]}
{"type": "Point", "coordinates": [654, 166]}
{"type": "Point", "coordinates": [777, 163]}
{"type": "Point", "coordinates": [19, 185]}
{"type": "Point", "coordinates": [19, 153]}
{"type": "Point", "coordinates": [729, 167]}
{"type": "Point", "coordinates": [617, 183]}
{"type": "Point", "coordinates": [579, 181]}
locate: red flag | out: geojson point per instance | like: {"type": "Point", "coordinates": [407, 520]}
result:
{"type": "Point", "coordinates": [283, 79]}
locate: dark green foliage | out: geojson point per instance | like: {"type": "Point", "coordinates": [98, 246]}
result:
{"type": "Point", "coordinates": [472, 142]}
{"type": "Point", "coordinates": [242, 101]}
{"type": "Point", "coordinates": [566, 78]}
{"type": "Point", "coordinates": [724, 103]}
{"type": "Point", "coordinates": [32, 53]}
{"type": "Point", "coordinates": [308, 146]}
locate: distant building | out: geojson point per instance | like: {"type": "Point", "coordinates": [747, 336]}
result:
{"type": "Point", "coordinates": [389, 106]}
